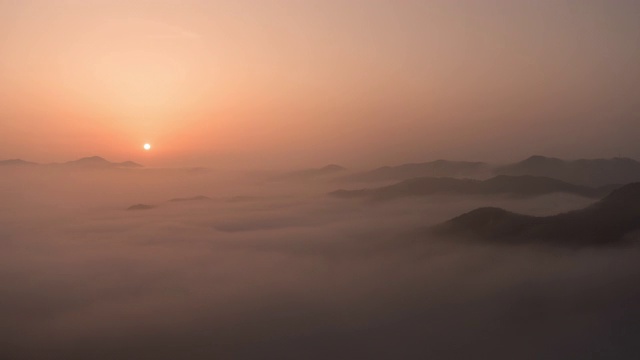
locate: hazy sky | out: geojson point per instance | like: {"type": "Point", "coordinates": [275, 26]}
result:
{"type": "Point", "coordinates": [269, 83]}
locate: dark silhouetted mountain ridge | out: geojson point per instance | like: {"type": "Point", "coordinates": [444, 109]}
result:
{"type": "Point", "coordinates": [99, 162]}
{"type": "Point", "coordinates": [605, 222]}
{"type": "Point", "coordinates": [86, 162]}
{"type": "Point", "coordinates": [438, 168]}
{"type": "Point", "coordinates": [502, 184]}
{"type": "Point", "coordinates": [590, 172]}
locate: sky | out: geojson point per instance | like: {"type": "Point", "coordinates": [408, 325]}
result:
{"type": "Point", "coordinates": [305, 83]}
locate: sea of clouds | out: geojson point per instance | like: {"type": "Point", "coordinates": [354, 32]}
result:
{"type": "Point", "coordinates": [278, 270]}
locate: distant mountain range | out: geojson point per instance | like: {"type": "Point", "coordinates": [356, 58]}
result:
{"type": "Point", "coordinates": [438, 168]}
{"type": "Point", "coordinates": [605, 222]}
{"type": "Point", "coordinates": [590, 172]}
{"type": "Point", "coordinates": [511, 185]}
{"type": "Point", "coordinates": [585, 172]}
{"type": "Point", "coordinates": [87, 162]}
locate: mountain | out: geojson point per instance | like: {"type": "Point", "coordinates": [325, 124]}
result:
{"type": "Point", "coordinates": [438, 168]}
{"type": "Point", "coordinates": [590, 172]}
{"type": "Point", "coordinates": [99, 162]}
{"type": "Point", "coordinates": [308, 174]}
{"type": "Point", "coordinates": [16, 162]}
{"type": "Point", "coordinates": [502, 184]}
{"type": "Point", "coordinates": [87, 162]}
{"type": "Point", "coordinates": [605, 222]}
{"type": "Point", "coordinates": [128, 164]}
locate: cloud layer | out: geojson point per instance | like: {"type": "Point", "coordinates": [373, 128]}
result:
{"type": "Point", "coordinates": [290, 274]}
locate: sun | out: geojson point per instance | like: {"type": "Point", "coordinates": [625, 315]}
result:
{"type": "Point", "coordinates": [147, 147]}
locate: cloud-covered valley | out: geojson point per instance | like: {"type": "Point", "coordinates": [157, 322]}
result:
{"type": "Point", "coordinates": [279, 270]}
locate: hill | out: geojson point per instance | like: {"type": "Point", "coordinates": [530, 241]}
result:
{"type": "Point", "coordinates": [590, 172]}
{"type": "Point", "coordinates": [510, 185]}
{"type": "Point", "coordinates": [86, 162]}
{"type": "Point", "coordinates": [605, 222]}
{"type": "Point", "coordinates": [99, 162]}
{"type": "Point", "coordinates": [438, 168]}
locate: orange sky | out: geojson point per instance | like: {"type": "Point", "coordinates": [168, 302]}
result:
{"type": "Point", "coordinates": [271, 83]}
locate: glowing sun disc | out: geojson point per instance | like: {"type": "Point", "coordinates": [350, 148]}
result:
{"type": "Point", "coordinates": [147, 146]}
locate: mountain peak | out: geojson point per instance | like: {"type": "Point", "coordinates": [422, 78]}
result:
{"type": "Point", "coordinates": [99, 161]}
{"type": "Point", "coordinates": [90, 160]}
{"type": "Point", "coordinates": [129, 164]}
{"type": "Point", "coordinates": [591, 172]}
{"type": "Point", "coordinates": [605, 222]}
{"type": "Point", "coordinates": [627, 196]}
{"type": "Point", "coordinates": [437, 168]}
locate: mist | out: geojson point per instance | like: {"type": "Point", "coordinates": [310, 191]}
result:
{"type": "Point", "coordinates": [319, 179]}
{"type": "Point", "coordinates": [277, 269]}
